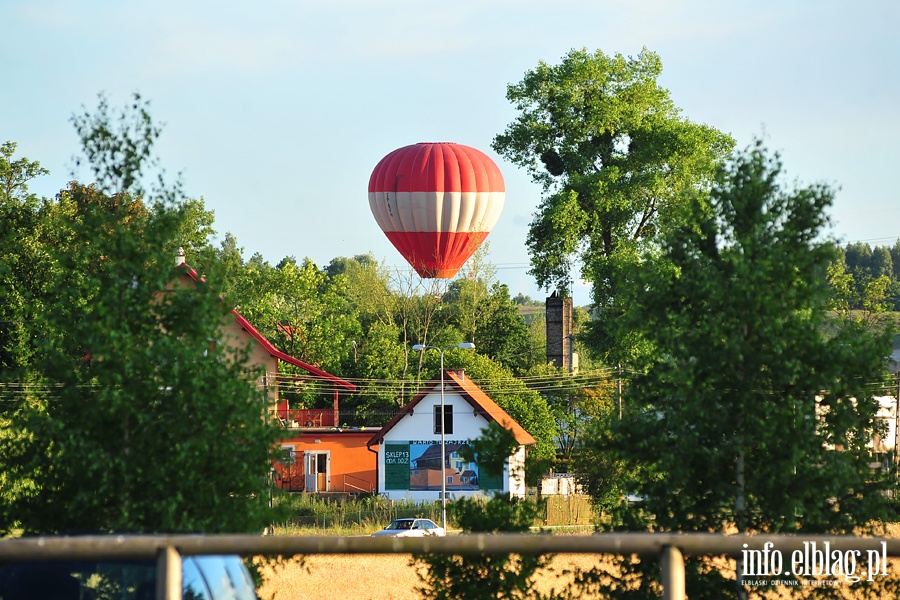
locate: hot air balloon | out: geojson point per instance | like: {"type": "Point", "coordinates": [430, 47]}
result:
{"type": "Point", "coordinates": [436, 203]}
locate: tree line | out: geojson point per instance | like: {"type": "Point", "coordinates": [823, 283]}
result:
{"type": "Point", "coordinates": [868, 277]}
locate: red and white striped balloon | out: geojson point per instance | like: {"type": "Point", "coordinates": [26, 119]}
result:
{"type": "Point", "coordinates": [436, 203]}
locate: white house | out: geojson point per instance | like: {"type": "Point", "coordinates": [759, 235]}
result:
{"type": "Point", "coordinates": [409, 446]}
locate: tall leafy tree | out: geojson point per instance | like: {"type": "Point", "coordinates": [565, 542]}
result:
{"type": "Point", "coordinates": [194, 234]}
{"type": "Point", "coordinates": [615, 156]}
{"type": "Point", "coordinates": [487, 317]}
{"type": "Point", "coordinates": [379, 357]}
{"type": "Point", "coordinates": [24, 275]}
{"type": "Point", "coordinates": [575, 403]}
{"type": "Point", "coordinates": [895, 260]}
{"type": "Point", "coordinates": [304, 313]}
{"type": "Point", "coordinates": [301, 309]}
{"type": "Point", "coordinates": [842, 286]}
{"type": "Point", "coordinates": [754, 411]}
{"type": "Point", "coordinates": [468, 294]}
{"type": "Point", "coordinates": [23, 264]}
{"type": "Point", "coordinates": [504, 335]}
{"type": "Point", "coordinates": [882, 262]}
{"type": "Point", "coordinates": [142, 421]}
{"type": "Point", "coordinates": [859, 258]}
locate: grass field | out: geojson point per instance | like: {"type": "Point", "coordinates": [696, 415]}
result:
{"type": "Point", "coordinates": [392, 577]}
{"type": "Point", "coordinates": [369, 577]}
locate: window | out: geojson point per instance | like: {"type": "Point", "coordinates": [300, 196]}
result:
{"type": "Point", "coordinates": [448, 419]}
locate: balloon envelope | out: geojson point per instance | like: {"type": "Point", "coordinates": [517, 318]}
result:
{"type": "Point", "coordinates": [436, 203]}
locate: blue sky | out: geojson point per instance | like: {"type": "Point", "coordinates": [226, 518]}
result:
{"type": "Point", "coordinates": [276, 112]}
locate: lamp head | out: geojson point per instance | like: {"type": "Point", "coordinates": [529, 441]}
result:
{"type": "Point", "coordinates": [466, 346]}
{"type": "Point", "coordinates": [418, 347]}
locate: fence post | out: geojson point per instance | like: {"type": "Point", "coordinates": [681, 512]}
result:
{"type": "Point", "coordinates": [168, 574]}
{"type": "Point", "coordinates": [672, 573]}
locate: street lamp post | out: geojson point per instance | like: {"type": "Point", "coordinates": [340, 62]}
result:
{"type": "Point", "coordinates": [422, 347]}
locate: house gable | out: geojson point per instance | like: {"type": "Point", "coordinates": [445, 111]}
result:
{"type": "Point", "coordinates": [457, 384]}
{"type": "Point", "coordinates": [412, 445]}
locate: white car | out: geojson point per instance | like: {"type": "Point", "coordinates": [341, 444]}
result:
{"type": "Point", "coordinates": [411, 528]}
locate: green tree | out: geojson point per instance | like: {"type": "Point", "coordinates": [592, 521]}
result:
{"type": "Point", "coordinates": [602, 474]}
{"type": "Point", "coordinates": [23, 264]}
{"type": "Point", "coordinates": [230, 258]}
{"type": "Point", "coordinates": [860, 265]}
{"type": "Point", "coordinates": [895, 260]}
{"type": "Point", "coordinates": [15, 175]}
{"type": "Point", "coordinates": [142, 422]}
{"type": "Point", "coordinates": [301, 310]}
{"type": "Point", "coordinates": [468, 294]}
{"type": "Point", "coordinates": [753, 412]}
{"type": "Point", "coordinates": [859, 258]}
{"type": "Point", "coordinates": [194, 234]}
{"type": "Point", "coordinates": [864, 278]}
{"type": "Point", "coordinates": [882, 263]}
{"type": "Point", "coordinates": [380, 358]}
{"type": "Point", "coordinates": [505, 336]}
{"type": "Point", "coordinates": [487, 317]}
{"type": "Point", "coordinates": [24, 274]}
{"type": "Point", "coordinates": [843, 288]}
{"type": "Point", "coordinates": [524, 300]}
{"type": "Point", "coordinates": [575, 403]}
{"type": "Point", "coordinates": [614, 156]}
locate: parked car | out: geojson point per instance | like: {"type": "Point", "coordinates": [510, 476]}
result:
{"type": "Point", "coordinates": [203, 578]}
{"type": "Point", "coordinates": [411, 528]}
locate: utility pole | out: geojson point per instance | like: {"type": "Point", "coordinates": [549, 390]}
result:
{"type": "Point", "coordinates": [619, 389]}
{"type": "Point", "coordinates": [896, 430]}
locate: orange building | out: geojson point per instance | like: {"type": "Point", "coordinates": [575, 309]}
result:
{"type": "Point", "coordinates": [327, 460]}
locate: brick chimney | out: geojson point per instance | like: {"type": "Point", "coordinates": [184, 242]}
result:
{"type": "Point", "coordinates": [559, 331]}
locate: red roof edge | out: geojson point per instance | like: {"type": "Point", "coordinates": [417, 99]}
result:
{"type": "Point", "coordinates": [267, 345]}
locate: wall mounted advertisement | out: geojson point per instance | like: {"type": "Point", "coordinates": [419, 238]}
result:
{"type": "Point", "coordinates": [416, 465]}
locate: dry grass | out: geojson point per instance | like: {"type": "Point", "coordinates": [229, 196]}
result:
{"type": "Point", "coordinates": [391, 577]}
{"type": "Point", "coordinates": [379, 577]}
{"type": "Point", "coordinates": [373, 577]}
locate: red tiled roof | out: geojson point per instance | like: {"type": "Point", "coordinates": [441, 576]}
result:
{"type": "Point", "coordinates": [268, 346]}
{"type": "Point", "coordinates": [472, 394]}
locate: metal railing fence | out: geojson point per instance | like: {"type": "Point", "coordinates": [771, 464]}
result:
{"type": "Point", "coordinates": [167, 549]}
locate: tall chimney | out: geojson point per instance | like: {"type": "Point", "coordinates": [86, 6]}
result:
{"type": "Point", "coordinates": [559, 331]}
